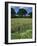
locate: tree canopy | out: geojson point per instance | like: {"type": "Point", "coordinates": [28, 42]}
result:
{"type": "Point", "coordinates": [13, 13]}
{"type": "Point", "coordinates": [22, 12]}
{"type": "Point", "coordinates": [30, 14]}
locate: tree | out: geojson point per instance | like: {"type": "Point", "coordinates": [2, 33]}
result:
{"type": "Point", "coordinates": [30, 14]}
{"type": "Point", "coordinates": [13, 13]}
{"type": "Point", "coordinates": [22, 12]}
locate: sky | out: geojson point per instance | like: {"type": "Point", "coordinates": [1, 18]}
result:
{"type": "Point", "coordinates": [16, 8]}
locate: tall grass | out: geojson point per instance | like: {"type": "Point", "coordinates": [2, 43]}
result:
{"type": "Point", "coordinates": [21, 28]}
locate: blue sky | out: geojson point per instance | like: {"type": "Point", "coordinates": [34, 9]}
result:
{"type": "Point", "coordinates": [28, 9]}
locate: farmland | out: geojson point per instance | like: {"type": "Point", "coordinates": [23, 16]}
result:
{"type": "Point", "coordinates": [21, 28]}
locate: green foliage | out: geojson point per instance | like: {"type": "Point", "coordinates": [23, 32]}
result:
{"type": "Point", "coordinates": [13, 13]}
{"type": "Point", "coordinates": [30, 14]}
{"type": "Point", "coordinates": [21, 28]}
{"type": "Point", "coordinates": [22, 12]}
{"type": "Point", "coordinates": [22, 35]}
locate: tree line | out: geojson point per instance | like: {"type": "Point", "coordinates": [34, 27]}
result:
{"type": "Point", "coordinates": [20, 14]}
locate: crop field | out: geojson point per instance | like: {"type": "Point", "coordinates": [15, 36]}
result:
{"type": "Point", "coordinates": [21, 28]}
